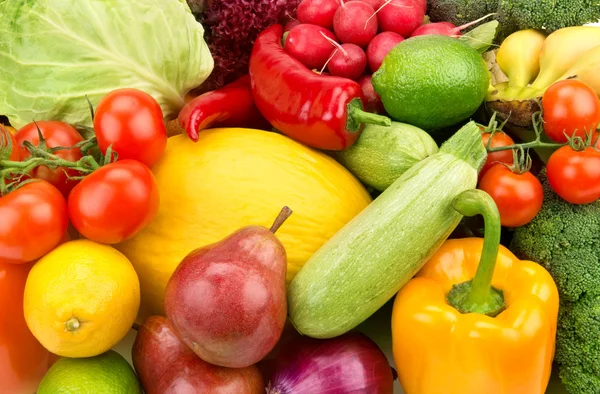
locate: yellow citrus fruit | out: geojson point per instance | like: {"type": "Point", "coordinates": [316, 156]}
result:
{"type": "Point", "coordinates": [232, 178]}
{"type": "Point", "coordinates": [81, 299]}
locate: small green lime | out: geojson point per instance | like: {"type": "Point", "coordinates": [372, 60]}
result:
{"type": "Point", "coordinates": [432, 81]}
{"type": "Point", "coordinates": [108, 373]}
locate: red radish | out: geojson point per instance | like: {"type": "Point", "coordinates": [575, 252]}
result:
{"type": "Point", "coordinates": [374, 3]}
{"type": "Point", "coordinates": [318, 12]}
{"type": "Point", "coordinates": [372, 100]}
{"type": "Point", "coordinates": [349, 61]}
{"type": "Point", "coordinates": [380, 46]}
{"type": "Point", "coordinates": [401, 16]}
{"type": "Point", "coordinates": [307, 43]}
{"type": "Point", "coordinates": [444, 28]}
{"type": "Point", "coordinates": [354, 23]}
{"type": "Point", "coordinates": [290, 25]}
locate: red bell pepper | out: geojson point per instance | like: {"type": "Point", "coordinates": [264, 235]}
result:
{"type": "Point", "coordinates": [323, 112]}
{"type": "Point", "coordinates": [230, 106]}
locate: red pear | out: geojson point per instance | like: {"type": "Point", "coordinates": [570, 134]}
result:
{"type": "Point", "coordinates": [164, 364]}
{"type": "Point", "coordinates": [227, 300]}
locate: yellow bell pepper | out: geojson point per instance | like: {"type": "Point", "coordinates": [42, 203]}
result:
{"type": "Point", "coordinates": [476, 319]}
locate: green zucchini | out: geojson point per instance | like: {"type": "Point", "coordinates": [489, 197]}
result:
{"type": "Point", "coordinates": [369, 260]}
{"type": "Point", "coordinates": [383, 153]}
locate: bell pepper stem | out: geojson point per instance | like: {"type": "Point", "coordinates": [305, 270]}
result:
{"type": "Point", "coordinates": [357, 116]}
{"type": "Point", "coordinates": [478, 295]}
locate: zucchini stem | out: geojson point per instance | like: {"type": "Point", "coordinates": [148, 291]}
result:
{"type": "Point", "coordinates": [478, 295]}
{"type": "Point", "coordinates": [357, 116]}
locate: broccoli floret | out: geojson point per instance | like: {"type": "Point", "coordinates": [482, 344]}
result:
{"type": "Point", "coordinates": [565, 239]}
{"type": "Point", "coordinates": [516, 15]}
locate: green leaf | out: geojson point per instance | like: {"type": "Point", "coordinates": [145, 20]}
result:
{"type": "Point", "coordinates": [54, 53]}
{"type": "Point", "coordinates": [481, 37]}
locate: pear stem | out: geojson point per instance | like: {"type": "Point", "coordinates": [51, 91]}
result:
{"type": "Point", "coordinates": [284, 214]}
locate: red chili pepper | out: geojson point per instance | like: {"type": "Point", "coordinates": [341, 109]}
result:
{"type": "Point", "coordinates": [323, 112]}
{"type": "Point", "coordinates": [230, 106]}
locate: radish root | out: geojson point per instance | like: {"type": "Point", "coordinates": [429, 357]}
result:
{"type": "Point", "coordinates": [380, 8]}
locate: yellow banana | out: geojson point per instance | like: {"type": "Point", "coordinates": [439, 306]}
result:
{"type": "Point", "coordinates": [586, 69]}
{"type": "Point", "coordinates": [561, 50]}
{"type": "Point", "coordinates": [519, 56]}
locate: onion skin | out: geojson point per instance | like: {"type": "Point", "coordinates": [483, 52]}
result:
{"type": "Point", "coordinates": [351, 363]}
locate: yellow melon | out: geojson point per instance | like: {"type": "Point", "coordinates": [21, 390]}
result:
{"type": "Point", "coordinates": [232, 178]}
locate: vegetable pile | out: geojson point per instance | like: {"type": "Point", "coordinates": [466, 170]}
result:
{"type": "Point", "coordinates": [292, 197]}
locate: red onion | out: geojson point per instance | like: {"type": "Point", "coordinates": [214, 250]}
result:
{"type": "Point", "coordinates": [351, 363]}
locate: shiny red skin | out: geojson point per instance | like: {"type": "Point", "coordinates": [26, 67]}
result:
{"type": "Point", "coordinates": [7, 138]}
{"type": "Point", "coordinates": [23, 360]}
{"type": "Point", "coordinates": [227, 301]}
{"type": "Point", "coordinates": [350, 65]}
{"type": "Point", "coordinates": [34, 219]}
{"type": "Point", "coordinates": [56, 134]}
{"type": "Point", "coordinates": [305, 106]}
{"type": "Point", "coordinates": [499, 139]}
{"type": "Point", "coordinates": [318, 12]}
{"type": "Point", "coordinates": [380, 46]}
{"type": "Point", "coordinates": [306, 44]}
{"type": "Point", "coordinates": [374, 103]}
{"type": "Point", "coordinates": [575, 175]}
{"type": "Point", "coordinates": [290, 25]}
{"type": "Point", "coordinates": [165, 364]}
{"type": "Point", "coordinates": [439, 28]}
{"type": "Point", "coordinates": [215, 109]}
{"type": "Point", "coordinates": [131, 122]}
{"type": "Point", "coordinates": [115, 202]}
{"type": "Point", "coordinates": [374, 3]}
{"type": "Point", "coordinates": [519, 197]}
{"type": "Point", "coordinates": [401, 16]}
{"type": "Point", "coordinates": [352, 23]}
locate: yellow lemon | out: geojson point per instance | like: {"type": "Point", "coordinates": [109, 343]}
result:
{"type": "Point", "coordinates": [232, 178]}
{"type": "Point", "coordinates": [81, 299]}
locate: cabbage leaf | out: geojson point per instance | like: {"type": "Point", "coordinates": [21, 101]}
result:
{"type": "Point", "coordinates": [54, 53]}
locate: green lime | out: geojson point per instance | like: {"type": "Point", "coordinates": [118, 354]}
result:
{"type": "Point", "coordinates": [108, 373]}
{"type": "Point", "coordinates": [432, 81]}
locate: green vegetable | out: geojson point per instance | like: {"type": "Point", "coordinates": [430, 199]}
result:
{"type": "Point", "coordinates": [383, 153]}
{"type": "Point", "coordinates": [516, 15]}
{"type": "Point", "coordinates": [482, 37]}
{"type": "Point", "coordinates": [54, 53]}
{"type": "Point", "coordinates": [365, 263]}
{"type": "Point", "coordinates": [564, 238]}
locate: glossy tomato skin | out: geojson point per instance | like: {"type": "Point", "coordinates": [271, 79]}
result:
{"type": "Point", "coordinates": [570, 107]}
{"type": "Point", "coordinates": [519, 197]}
{"type": "Point", "coordinates": [5, 137]}
{"type": "Point", "coordinates": [55, 134]}
{"type": "Point", "coordinates": [34, 220]}
{"type": "Point", "coordinates": [115, 202]}
{"type": "Point", "coordinates": [23, 360]}
{"type": "Point", "coordinates": [499, 139]}
{"type": "Point", "coordinates": [131, 121]}
{"type": "Point", "coordinates": [575, 175]}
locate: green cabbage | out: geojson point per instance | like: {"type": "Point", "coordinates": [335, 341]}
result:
{"type": "Point", "coordinates": [54, 53]}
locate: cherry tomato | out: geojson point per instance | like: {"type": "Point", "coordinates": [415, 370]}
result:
{"type": "Point", "coordinates": [519, 197]}
{"type": "Point", "coordinates": [34, 219]}
{"type": "Point", "coordinates": [131, 121]}
{"type": "Point", "coordinates": [115, 202]}
{"type": "Point", "coordinates": [570, 107]}
{"type": "Point", "coordinates": [575, 175]}
{"type": "Point", "coordinates": [5, 136]}
{"type": "Point", "coordinates": [55, 134]}
{"type": "Point", "coordinates": [23, 361]}
{"type": "Point", "coordinates": [499, 139]}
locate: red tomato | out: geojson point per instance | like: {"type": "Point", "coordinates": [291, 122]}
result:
{"type": "Point", "coordinates": [131, 121]}
{"type": "Point", "coordinates": [23, 361]}
{"type": "Point", "coordinates": [34, 219]}
{"type": "Point", "coordinates": [575, 175]}
{"type": "Point", "coordinates": [5, 136]}
{"type": "Point", "coordinates": [115, 202]}
{"type": "Point", "coordinates": [506, 156]}
{"type": "Point", "coordinates": [570, 107]}
{"type": "Point", "coordinates": [55, 134]}
{"type": "Point", "coordinates": [519, 197]}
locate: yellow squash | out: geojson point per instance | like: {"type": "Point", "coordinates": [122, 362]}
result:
{"type": "Point", "coordinates": [232, 178]}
